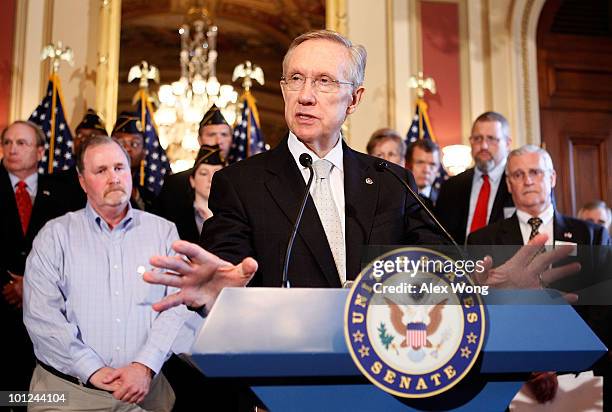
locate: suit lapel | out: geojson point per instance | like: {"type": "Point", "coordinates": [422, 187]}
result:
{"type": "Point", "coordinates": [464, 203]}
{"type": "Point", "coordinates": [10, 213]}
{"type": "Point", "coordinates": [41, 207]}
{"type": "Point", "coordinates": [510, 233]}
{"type": "Point", "coordinates": [360, 195]}
{"type": "Point", "coordinates": [561, 230]}
{"type": "Point", "coordinates": [497, 211]}
{"type": "Point", "coordinates": [286, 186]}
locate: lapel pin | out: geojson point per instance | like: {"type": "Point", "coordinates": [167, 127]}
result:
{"type": "Point", "coordinates": [369, 181]}
{"type": "Point", "coordinates": [568, 235]}
{"type": "Point", "coordinates": [46, 193]}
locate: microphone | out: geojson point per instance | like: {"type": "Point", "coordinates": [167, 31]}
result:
{"type": "Point", "coordinates": [306, 161]}
{"type": "Point", "coordinates": [382, 166]}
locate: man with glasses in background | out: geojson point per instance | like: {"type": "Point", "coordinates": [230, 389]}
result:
{"type": "Point", "coordinates": [530, 179]}
{"type": "Point", "coordinates": [479, 196]}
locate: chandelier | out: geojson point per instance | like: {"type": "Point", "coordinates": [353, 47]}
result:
{"type": "Point", "coordinates": [184, 101]}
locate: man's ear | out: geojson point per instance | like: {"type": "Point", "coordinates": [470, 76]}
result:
{"type": "Point", "coordinates": [356, 98]}
{"type": "Point", "coordinates": [40, 152]}
{"type": "Point", "coordinates": [81, 182]}
{"type": "Point", "coordinates": [553, 177]}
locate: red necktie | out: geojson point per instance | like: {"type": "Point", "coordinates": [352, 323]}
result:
{"type": "Point", "coordinates": [24, 205]}
{"type": "Point", "coordinates": [480, 214]}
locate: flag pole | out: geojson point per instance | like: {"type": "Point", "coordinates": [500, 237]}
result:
{"type": "Point", "coordinates": [143, 117]}
{"type": "Point", "coordinates": [52, 79]}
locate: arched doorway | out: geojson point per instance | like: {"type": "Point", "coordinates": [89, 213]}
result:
{"type": "Point", "coordinates": [574, 56]}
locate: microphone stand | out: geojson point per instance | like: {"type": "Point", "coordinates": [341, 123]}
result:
{"type": "Point", "coordinates": [306, 161]}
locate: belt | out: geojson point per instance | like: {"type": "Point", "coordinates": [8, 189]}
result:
{"type": "Point", "coordinates": [65, 377]}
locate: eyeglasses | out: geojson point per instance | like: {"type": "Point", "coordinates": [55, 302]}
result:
{"type": "Point", "coordinates": [534, 174]}
{"type": "Point", "coordinates": [478, 139]}
{"type": "Point", "coordinates": [323, 84]}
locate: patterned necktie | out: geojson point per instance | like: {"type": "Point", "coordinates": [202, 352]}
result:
{"type": "Point", "coordinates": [24, 205]}
{"type": "Point", "coordinates": [535, 223]}
{"type": "Point", "coordinates": [324, 201]}
{"type": "Point", "coordinates": [482, 205]}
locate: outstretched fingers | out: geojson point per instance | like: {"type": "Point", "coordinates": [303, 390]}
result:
{"type": "Point", "coordinates": [169, 301]}
{"type": "Point", "coordinates": [194, 252]}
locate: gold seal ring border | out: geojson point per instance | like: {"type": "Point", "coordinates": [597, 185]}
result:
{"type": "Point", "coordinates": [365, 373]}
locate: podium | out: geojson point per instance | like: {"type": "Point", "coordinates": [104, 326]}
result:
{"type": "Point", "coordinates": [289, 345]}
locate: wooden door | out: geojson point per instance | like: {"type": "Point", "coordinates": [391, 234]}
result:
{"type": "Point", "coordinates": [575, 88]}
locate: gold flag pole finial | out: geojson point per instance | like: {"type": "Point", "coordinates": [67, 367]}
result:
{"type": "Point", "coordinates": [57, 53]}
{"type": "Point", "coordinates": [421, 84]}
{"type": "Point", "coordinates": [248, 72]}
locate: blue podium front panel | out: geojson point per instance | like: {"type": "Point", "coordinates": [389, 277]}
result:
{"type": "Point", "coordinates": [272, 332]}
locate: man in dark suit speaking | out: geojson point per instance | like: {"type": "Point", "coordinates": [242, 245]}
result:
{"type": "Point", "coordinates": [255, 202]}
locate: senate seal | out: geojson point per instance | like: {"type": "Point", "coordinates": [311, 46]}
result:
{"type": "Point", "coordinates": [415, 322]}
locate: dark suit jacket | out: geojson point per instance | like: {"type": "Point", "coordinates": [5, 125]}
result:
{"type": "Point", "coordinates": [50, 202]}
{"type": "Point", "coordinates": [428, 202]}
{"type": "Point", "coordinates": [595, 262]}
{"type": "Point", "coordinates": [565, 228]}
{"type": "Point", "coordinates": [175, 203]}
{"type": "Point", "coordinates": [453, 203]}
{"type": "Point", "coordinates": [255, 203]}
{"type": "Point", "coordinates": [75, 196]}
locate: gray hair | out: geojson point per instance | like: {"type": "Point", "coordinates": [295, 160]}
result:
{"type": "Point", "coordinates": [95, 141]}
{"type": "Point", "coordinates": [529, 148]}
{"type": "Point", "coordinates": [39, 134]}
{"type": "Point", "coordinates": [357, 53]}
{"type": "Point", "coordinates": [594, 205]}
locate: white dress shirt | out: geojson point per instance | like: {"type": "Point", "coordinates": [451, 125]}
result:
{"type": "Point", "coordinates": [336, 177]}
{"type": "Point", "coordinates": [85, 304]}
{"type": "Point", "coordinates": [546, 226]}
{"type": "Point", "coordinates": [495, 176]}
{"type": "Point", "coordinates": [426, 191]}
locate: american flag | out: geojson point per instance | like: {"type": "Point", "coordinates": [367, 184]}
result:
{"type": "Point", "coordinates": [248, 139]}
{"type": "Point", "coordinates": [420, 128]}
{"type": "Point", "coordinates": [416, 334]}
{"type": "Point", "coordinates": [49, 115]}
{"type": "Point", "coordinates": [155, 166]}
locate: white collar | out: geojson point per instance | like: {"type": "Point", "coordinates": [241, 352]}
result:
{"type": "Point", "coordinates": [296, 147]}
{"type": "Point", "coordinates": [546, 215]}
{"type": "Point", "coordinates": [426, 191]}
{"type": "Point", "coordinates": [31, 181]}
